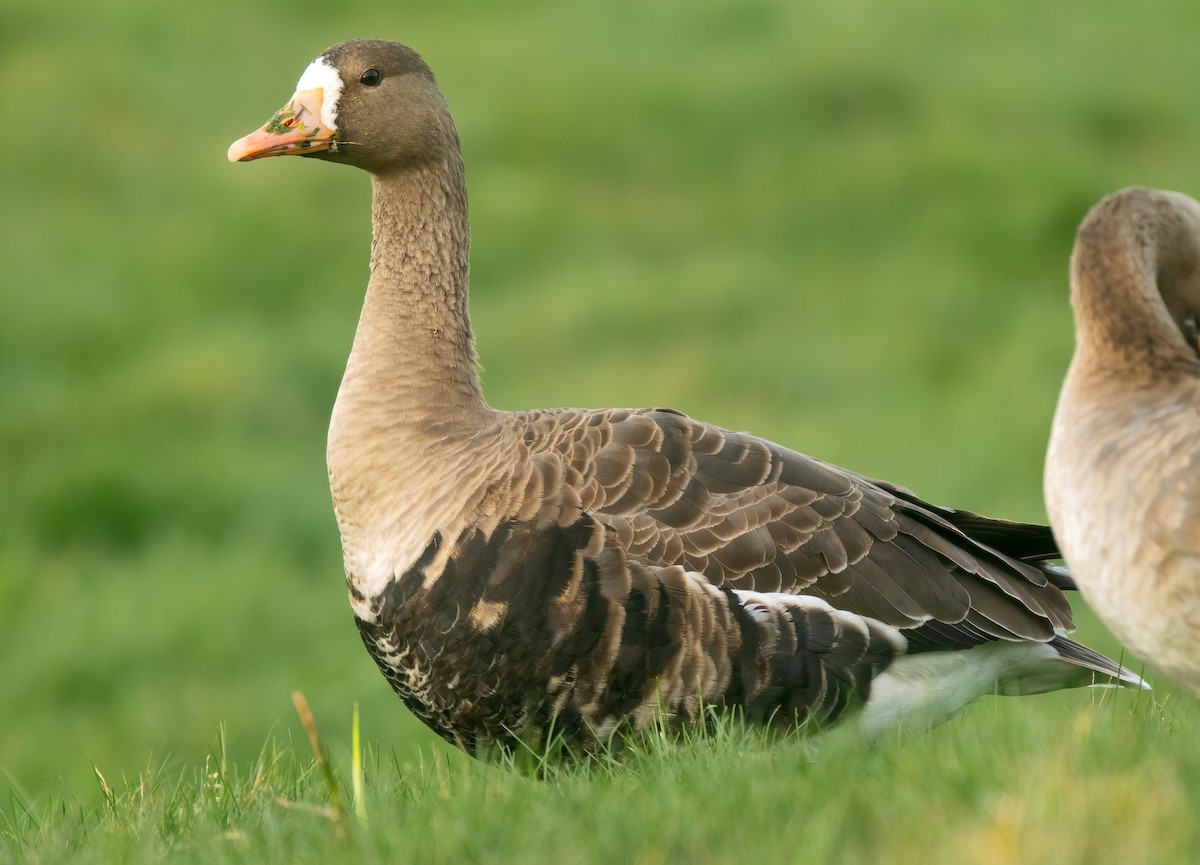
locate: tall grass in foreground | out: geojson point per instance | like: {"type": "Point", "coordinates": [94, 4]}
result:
{"type": "Point", "coordinates": [1002, 789]}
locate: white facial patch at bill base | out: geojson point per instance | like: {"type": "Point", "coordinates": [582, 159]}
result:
{"type": "Point", "coordinates": [320, 73]}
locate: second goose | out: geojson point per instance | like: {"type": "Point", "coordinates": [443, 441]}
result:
{"type": "Point", "coordinates": [1123, 466]}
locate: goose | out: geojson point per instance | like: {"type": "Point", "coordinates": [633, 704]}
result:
{"type": "Point", "coordinates": [1122, 483]}
{"type": "Point", "coordinates": [585, 574]}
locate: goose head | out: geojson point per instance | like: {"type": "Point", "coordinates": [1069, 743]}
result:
{"type": "Point", "coordinates": [368, 103]}
{"type": "Point", "coordinates": [1135, 285]}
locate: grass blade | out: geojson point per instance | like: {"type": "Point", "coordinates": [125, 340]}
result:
{"type": "Point", "coordinates": [314, 740]}
{"type": "Point", "coordinates": [360, 803]}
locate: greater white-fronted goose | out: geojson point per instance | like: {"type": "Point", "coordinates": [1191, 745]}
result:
{"type": "Point", "coordinates": [592, 571]}
{"type": "Point", "coordinates": [1123, 466]}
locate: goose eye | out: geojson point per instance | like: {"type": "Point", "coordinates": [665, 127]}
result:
{"type": "Point", "coordinates": [371, 77]}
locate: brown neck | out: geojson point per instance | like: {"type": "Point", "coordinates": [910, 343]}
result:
{"type": "Point", "coordinates": [411, 441]}
{"type": "Point", "coordinates": [1135, 273]}
{"type": "Point", "coordinates": [413, 363]}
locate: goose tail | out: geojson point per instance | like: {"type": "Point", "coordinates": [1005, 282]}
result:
{"type": "Point", "coordinates": [1105, 672]}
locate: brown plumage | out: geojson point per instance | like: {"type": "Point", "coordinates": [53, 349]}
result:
{"type": "Point", "coordinates": [1122, 485]}
{"type": "Point", "coordinates": [592, 570]}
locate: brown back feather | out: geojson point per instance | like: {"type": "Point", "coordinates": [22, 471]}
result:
{"type": "Point", "coordinates": [752, 515]}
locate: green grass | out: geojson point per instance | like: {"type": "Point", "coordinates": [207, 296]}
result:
{"type": "Point", "coordinates": [737, 795]}
{"type": "Point", "coordinates": [842, 226]}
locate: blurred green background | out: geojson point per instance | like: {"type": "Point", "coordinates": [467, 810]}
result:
{"type": "Point", "coordinates": [841, 226]}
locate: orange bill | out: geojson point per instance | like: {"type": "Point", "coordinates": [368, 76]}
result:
{"type": "Point", "coordinates": [295, 129]}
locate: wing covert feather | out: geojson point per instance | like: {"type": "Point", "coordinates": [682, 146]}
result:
{"type": "Point", "coordinates": [755, 516]}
